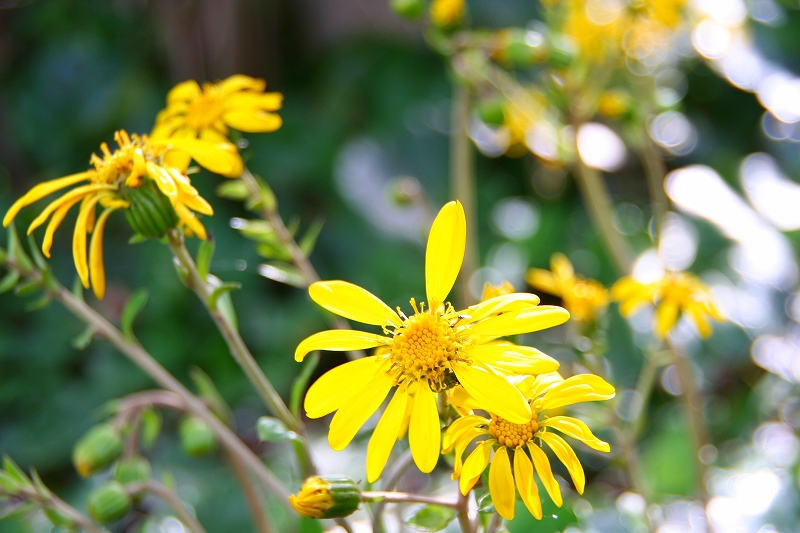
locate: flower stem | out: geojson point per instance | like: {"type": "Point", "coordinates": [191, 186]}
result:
{"type": "Point", "coordinates": [238, 348]}
{"type": "Point", "coordinates": [655, 170]}
{"type": "Point", "coordinates": [406, 497]}
{"type": "Point", "coordinates": [173, 501]}
{"type": "Point", "coordinates": [45, 498]}
{"type": "Point", "coordinates": [462, 505]}
{"type": "Point", "coordinates": [139, 356]}
{"type": "Point", "coordinates": [251, 495]}
{"type": "Point", "coordinates": [393, 475]}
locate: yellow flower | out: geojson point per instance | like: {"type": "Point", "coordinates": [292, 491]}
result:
{"type": "Point", "coordinates": [506, 438]}
{"type": "Point", "coordinates": [447, 12]}
{"type": "Point", "coordinates": [431, 351]}
{"type": "Point", "coordinates": [675, 294]}
{"type": "Point", "coordinates": [583, 298]}
{"type": "Point", "coordinates": [326, 497]}
{"type": "Point", "coordinates": [192, 112]}
{"type": "Point", "coordinates": [155, 197]}
{"type": "Point", "coordinates": [491, 291]}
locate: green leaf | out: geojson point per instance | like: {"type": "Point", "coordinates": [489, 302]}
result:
{"type": "Point", "coordinates": [204, 256]}
{"type": "Point", "coordinates": [276, 251]}
{"type": "Point", "coordinates": [83, 339]}
{"type": "Point", "coordinates": [485, 503]}
{"type": "Point", "coordinates": [17, 510]}
{"type": "Point", "coordinates": [301, 382]}
{"type": "Point", "coordinates": [255, 230]}
{"type": "Point", "coordinates": [16, 472]}
{"type": "Point", "coordinates": [15, 251]}
{"type": "Point", "coordinates": [283, 273]}
{"type": "Point", "coordinates": [309, 240]}
{"type": "Point", "coordinates": [8, 484]}
{"type": "Point", "coordinates": [133, 307]}
{"type": "Point", "coordinates": [150, 420]}
{"type": "Point", "coordinates": [233, 190]}
{"type": "Point", "coordinates": [77, 288]}
{"type": "Point", "coordinates": [27, 287]}
{"type": "Point", "coordinates": [39, 303]}
{"type": "Point", "coordinates": [9, 281]}
{"type": "Point", "coordinates": [210, 393]}
{"type": "Point", "coordinates": [38, 258]}
{"type": "Point", "coordinates": [271, 429]}
{"type": "Point", "coordinates": [220, 298]}
{"type": "Point", "coordinates": [220, 290]}
{"type": "Point", "coordinates": [431, 518]}
{"type": "Point", "coordinates": [137, 238]}
{"type": "Point", "coordinates": [41, 488]}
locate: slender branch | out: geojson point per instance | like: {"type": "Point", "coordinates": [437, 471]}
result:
{"type": "Point", "coordinates": [494, 523]}
{"type": "Point", "coordinates": [655, 171]}
{"type": "Point", "coordinates": [393, 476]}
{"type": "Point", "coordinates": [50, 500]}
{"type": "Point", "coordinates": [238, 348]}
{"type": "Point", "coordinates": [139, 356]}
{"type": "Point", "coordinates": [251, 495]}
{"type": "Point", "coordinates": [406, 497]}
{"type": "Point", "coordinates": [464, 520]}
{"type": "Point", "coordinates": [462, 182]}
{"type": "Point", "coordinates": [172, 500]}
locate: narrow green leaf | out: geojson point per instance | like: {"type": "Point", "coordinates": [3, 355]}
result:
{"type": "Point", "coordinates": [271, 429]}
{"type": "Point", "coordinates": [16, 472]}
{"type": "Point", "coordinates": [301, 382]}
{"type": "Point", "coordinates": [204, 256]}
{"type": "Point", "coordinates": [8, 484]}
{"type": "Point", "coordinates": [83, 339]}
{"type": "Point", "coordinates": [273, 251]}
{"type": "Point", "coordinates": [209, 392]}
{"type": "Point", "coordinates": [41, 488]}
{"type": "Point", "coordinates": [39, 303]}
{"type": "Point", "coordinates": [9, 281]}
{"type": "Point", "coordinates": [37, 256]}
{"type": "Point", "coordinates": [309, 240]}
{"type": "Point", "coordinates": [150, 420]}
{"type": "Point", "coordinates": [220, 298]}
{"type": "Point", "coordinates": [255, 230]}
{"type": "Point", "coordinates": [485, 504]}
{"type": "Point", "coordinates": [27, 287]}
{"type": "Point", "coordinates": [16, 510]}
{"type": "Point", "coordinates": [431, 518]}
{"type": "Point", "coordinates": [283, 273]}
{"type": "Point", "coordinates": [77, 288]}
{"type": "Point", "coordinates": [219, 290]}
{"type": "Point", "coordinates": [268, 197]}
{"type": "Point", "coordinates": [133, 307]}
{"type": "Point", "coordinates": [137, 238]}
{"type": "Point", "coordinates": [3, 255]}
{"type": "Point", "coordinates": [233, 190]}
{"type": "Point", "coordinates": [16, 252]}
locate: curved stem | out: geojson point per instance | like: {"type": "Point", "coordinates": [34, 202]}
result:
{"type": "Point", "coordinates": [462, 505]}
{"type": "Point", "coordinates": [251, 495]}
{"type": "Point", "coordinates": [406, 497]}
{"type": "Point", "coordinates": [655, 171]}
{"type": "Point", "coordinates": [45, 498]}
{"type": "Point", "coordinates": [173, 501]}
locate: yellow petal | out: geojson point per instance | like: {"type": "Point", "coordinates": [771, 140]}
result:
{"type": "Point", "coordinates": [385, 434]}
{"type": "Point", "coordinates": [523, 474]}
{"type": "Point", "coordinates": [475, 465]}
{"type": "Point", "coordinates": [77, 192]}
{"type": "Point", "coordinates": [577, 389]}
{"type": "Point", "coordinates": [542, 465]}
{"type": "Point", "coordinates": [525, 321]}
{"type": "Point", "coordinates": [54, 223]}
{"type": "Point", "coordinates": [224, 159]}
{"type": "Point", "coordinates": [576, 429]}
{"type": "Point", "coordinates": [461, 446]}
{"type": "Point", "coordinates": [501, 484]}
{"type": "Point", "coordinates": [666, 317]}
{"type": "Point", "coordinates": [494, 393]}
{"type": "Point", "coordinates": [513, 358]}
{"type": "Point", "coordinates": [445, 252]}
{"type": "Point", "coordinates": [458, 428]}
{"type": "Point", "coordinates": [540, 384]}
{"type": "Point", "coordinates": [561, 266]}
{"type": "Point", "coordinates": [543, 280]}
{"type": "Point", "coordinates": [462, 402]}
{"type": "Point", "coordinates": [353, 302]}
{"type": "Point", "coordinates": [254, 101]}
{"type": "Point", "coordinates": [338, 340]}
{"type": "Point", "coordinates": [252, 121]}
{"type": "Point", "coordinates": [40, 191]}
{"type": "Point", "coordinates": [79, 240]}
{"type": "Point", "coordinates": [504, 303]}
{"type": "Point", "coordinates": [700, 320]}
{"type": "Point", "coordinates": [177, 159]}
{"type": "Point", "coordinates": [354, 413]}
{"type": "Point", "coordinates": [97, 270]}
{"type": "Point", "coordinates": [186, 90]}
{"type": "Point", "coordinates": [240, 82]}
{"type": "Point", "coordinates": [339, 384]}
{"type": "Point", "coordinates": [188, 218]}
{"type": "Point", "coordinates": [566, 455]}
{"type": "Point", "coordinates": [424, 433]}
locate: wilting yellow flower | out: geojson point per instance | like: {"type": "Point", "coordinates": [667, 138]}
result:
{"type": "Point", "coordinates": [431, 351]}
{"type": "Point", "coordinates": [206, 112]}
{"type": "Point", "coordinates": [505, 438]}
{"type": "Point", "coordinates": [583, 298]}
{"type": "Point", "coordinates": [447, 12]}
{"type": "Point", "coordinates": [326, 497]}
{"type": "Point", "coordinates": [675, 294]}
{"type": "Point", "coordinates": [154, 196]}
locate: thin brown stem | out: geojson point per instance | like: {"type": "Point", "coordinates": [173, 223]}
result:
{"type": "Point", "coordinates": [462, 506]}
{"type": "Point", "coordinates": [655, 171]}
{"type": "Point", "coordinates": [393, 475]}
{"type": "Point", "coordinates": [406, 497]}
{"type": "Point", "coordinates": [251, 495]}
{"type": "Point", "coordinates": [495, 523]}
{"type": "Point", "coordinates": [173, 501]}
{"type": "Point", "coordinates": [49, 500]}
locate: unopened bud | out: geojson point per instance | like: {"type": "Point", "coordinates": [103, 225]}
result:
{"type": "Point", "coordinates": [97, 449]}
{"type": "Point", "coordinates": [59, 519]}
{"type": "Point", "coordinates": [197, 439]}
{"type": "Point", "coordinates": [109, 503]}
{"type": "Point", "coordinates": [409, 9]}
{"type": "Point", "coordinates": [326, 497]}
{"type": "Point", "coordinates": [133, 470]}
{"type": "Point", "coordinates": [150, 213]}
{"type": "Point", "coordinates": [491, 111]}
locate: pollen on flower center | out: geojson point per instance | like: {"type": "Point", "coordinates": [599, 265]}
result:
{"type": "Point", "coordinates": [512, 435]}
{"type": "Point", "coordinates": [424, 348]}
{"type": "Point", "coordinates": [204, 111]}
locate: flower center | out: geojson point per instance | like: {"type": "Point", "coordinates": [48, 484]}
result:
{"type": "Point", "coordinates": [512, 435]}
{"type": "Point", "coordinates": [204, 111]}
{"type": "Point", "coordinates": [424, 348]}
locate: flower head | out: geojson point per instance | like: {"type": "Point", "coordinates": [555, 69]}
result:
{"type": "Point", "coordinates": [447, 12]}
{"type": "Point", "coordinates": [676, 293]}
{"type": "Point", "coordinates": [431, 351]}
{"type": "Point", "coordinates": [154, 196]}
{"type": "Point", "coordinates": [207, 113]}
{"type": "Point", "coordinates": [583, 298]}
{"type": "Point", "coordinates": [326, 497]}
{"type": "Point", "coordinates": [521, 443]}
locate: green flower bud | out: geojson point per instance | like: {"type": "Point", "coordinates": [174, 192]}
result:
{"type": "Point", "coordinates": [491, 111]}
{"type": "Point", "coordinates": [326, 497]}
{"type": "Point", "coordinates": [133, 470]}
{"type": "Point", "coordinates": [97, 449]}
{"type": "Point", "coordinates": [409, 9]}
{"type": "Point", "coordinates": [59, 519]}
{"type": "Point", "coordinates": [197, 439]}
{"type": "Point", "coordinates": [109, 503]}
{"type": "Point", "coordinates": [150, 213]}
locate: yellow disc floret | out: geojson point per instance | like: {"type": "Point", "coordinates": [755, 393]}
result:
{"type": "Point", "coordinates": [512, 435]}
{"type": "Point", "coordinates": [206, 110]}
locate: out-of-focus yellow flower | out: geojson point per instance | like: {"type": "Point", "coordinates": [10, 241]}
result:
{"type": "Point", "coordinates": [583, 298]}
{"type": "Point", "coordinates": [155, 197]}
{"type": "Point", "coordinates": [492, 291]}
{"type": "Point", "coordinates": [675, 294]}
{"type": "Point", "coordinates": [613, 104]}
{"type": "Point", "coordinates": [447, 12]}
{"type": "Point", "coordinates": [431, 351]}
{"type": "Point", "coordinates": [326, 497]}
{"type": "Point", "coordinates": [206, 112]}
{"type": "Point", "coordinates": [505, 438]}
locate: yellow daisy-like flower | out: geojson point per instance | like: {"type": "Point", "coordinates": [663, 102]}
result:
{"type": "Point", "coordinates": [423, 354]}
{"type": "Point", "coordinates": [447, 12]}
{"type": "Point", "coordinates": [506, 439]}
{"type": "Point", "coordinates": [206, 112]}
{"type": "Point", "coordinates": [583, 298]}
{"type": "Point", "coordinates": [674, 294]}
{"type": "Point", "coordinates": [154, 196]}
